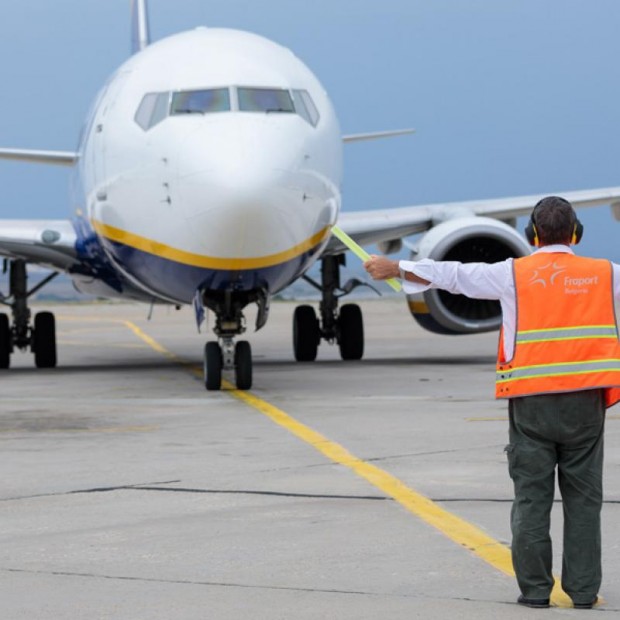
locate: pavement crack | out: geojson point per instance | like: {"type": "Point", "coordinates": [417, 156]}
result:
{"type": "Point", "coordinates": [224, 584]}
{"type": "Point", "coordinates": [219, 584]}
{"type": "Point", "coordinates": [78, 491]}
{"type": "Point", "coordinates": [155, 487]}
{"type": "Point", "coordinates": [245, 492]}
{"type": "Point", "coordinates": [390, 457]}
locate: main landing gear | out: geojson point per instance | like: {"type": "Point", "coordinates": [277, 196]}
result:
{"type": "Point", "coordinates": [345, 327]}
{"type": "Point", "coordinates": [38, 336]}
{"type": "Point", "coordinates": [226, 354]}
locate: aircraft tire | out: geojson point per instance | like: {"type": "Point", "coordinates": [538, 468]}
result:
{"type": "Point", "coordinates": [44, 340]}
{"type": "Point", "coordinates": [306, 334]}
{"type": "Point", "coordinates": [243, 365]}
{"type": "Point", "coordinates": [351, 332]}
{"type": "Point", "coordinates": [213, 366]}
{"type": "Point", "coordinates": [5, 342]}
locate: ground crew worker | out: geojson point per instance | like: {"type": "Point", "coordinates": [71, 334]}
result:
{"type": "Point", "coordinates": [559, 367]}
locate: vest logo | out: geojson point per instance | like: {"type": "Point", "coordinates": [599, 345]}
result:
{"type": "Point", "coordinates": [547, 274]}
{"type": "Point", "coordinates": [579, 286]}
{"type": "Point", "coordinates": [580, 281]}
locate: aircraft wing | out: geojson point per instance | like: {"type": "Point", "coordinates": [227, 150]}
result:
{"type": "Point", "coordinates": [59, 158]}
{"type": "Point", "coordinates": [50, 243]}
{"type": "Point", "coordinates": [368, 227]}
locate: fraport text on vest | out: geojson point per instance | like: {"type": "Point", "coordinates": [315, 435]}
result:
{"type": "Point", "coordinates": [580, 281]}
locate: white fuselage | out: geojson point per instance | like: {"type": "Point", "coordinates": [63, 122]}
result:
{"type": "Point", "coordinates": [235, 196]}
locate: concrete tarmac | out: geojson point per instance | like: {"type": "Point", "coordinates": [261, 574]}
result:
{"type": "Point", "coordinates": [130, 492]}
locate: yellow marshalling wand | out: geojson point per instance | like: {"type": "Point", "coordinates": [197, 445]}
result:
{"type": "Point", "coordinates": [361, 253]}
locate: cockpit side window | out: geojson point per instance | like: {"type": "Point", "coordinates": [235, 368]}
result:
{"type": "Point", "coordinates": [200, 101]}
{"type": "Point", "coordinates": [305, 107]}
{"type": "Point", "coordinates": [265, 100]}
{"type": "Point", "coordinates": [301, 108]}
{"type": "Point", "coordinates": [152, 110]}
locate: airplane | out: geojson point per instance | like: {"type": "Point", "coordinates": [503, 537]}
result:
{"type": "Point", "coordinates": [216, 185]}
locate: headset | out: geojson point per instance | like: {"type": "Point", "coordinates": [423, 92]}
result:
{"type": "Point", "coordinates": [531, 234]}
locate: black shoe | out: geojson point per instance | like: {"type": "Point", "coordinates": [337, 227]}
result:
{"type": "Point", "coordinates": [589, 605]}
{"type": "Point", "coordinates": [536, 603]}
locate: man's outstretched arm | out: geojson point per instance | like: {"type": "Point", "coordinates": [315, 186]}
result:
{"type": "Point", "coordinates": [382, 268]}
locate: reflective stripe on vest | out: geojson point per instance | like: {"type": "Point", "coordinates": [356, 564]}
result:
{"type": "Point", "coordinates": [567, 333]}
{"type": "Point", "coordinates": [566, 337]}
{"type": "Point", "coordinates": [555, 370]}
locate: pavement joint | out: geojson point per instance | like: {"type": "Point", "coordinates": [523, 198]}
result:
{"type": "Point", "coordinates": [78, 491]}
{"type": "Point", "coordinates": [389, 457]}
{"type": "Point", "coordinates": [253, 492]}
{"type": "Point", "coordinates": [221, 584]}
{"type": "Point", "coordinates": [153, 487]}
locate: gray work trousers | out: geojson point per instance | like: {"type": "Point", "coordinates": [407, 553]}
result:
{"type": "Point", "coordinates": [563, 431]}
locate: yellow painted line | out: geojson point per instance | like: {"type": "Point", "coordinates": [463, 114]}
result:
{"type": "Point", "coordinates": [88, 319]}
{"type": "Point", "coordinates": [209, 262]}
{"type": "Point", "coordinates": [150, 341]}
{"type": "Point", "coordinates": [91, 329]}
{"type": "Point", "coordinates": [169, 354]}
{"type": "Point", "coordinates": [113, 345]}
{"type": "Point", "coordinates": [126, 429]}
{"type": "Point", "coordinates": [460, 531]}
{"type": "Point", "coordinates": [499, 418]}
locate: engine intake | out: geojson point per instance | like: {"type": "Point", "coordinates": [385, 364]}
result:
{"type": "Point", "coordinates": [467, 240]}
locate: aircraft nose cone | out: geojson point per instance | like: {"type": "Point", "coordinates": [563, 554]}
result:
{"type": "Point", "coordinates": [239, 183]}
{"type": "Point", "coordinates": [234, 163]}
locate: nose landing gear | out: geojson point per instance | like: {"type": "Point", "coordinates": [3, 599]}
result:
{"type": "Point", "coordinates": [226, 354]}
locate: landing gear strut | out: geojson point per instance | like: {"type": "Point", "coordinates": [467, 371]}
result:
{"type": "Point", "coordinates": [226, 354]}
{"type": "Point", "coordinates": [40, 336]}
{"type": "Point", "coordinates": [345, 327]}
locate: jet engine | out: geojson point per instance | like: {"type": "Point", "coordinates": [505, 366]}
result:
{"type": "Point", "coordinates": [468, 240]}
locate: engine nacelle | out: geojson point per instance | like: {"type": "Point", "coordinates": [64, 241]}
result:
{"type": "Point", "coordinates": [468, 240]}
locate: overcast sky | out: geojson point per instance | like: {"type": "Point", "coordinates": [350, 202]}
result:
{"type": "Point", "coordinates": [508, 97]}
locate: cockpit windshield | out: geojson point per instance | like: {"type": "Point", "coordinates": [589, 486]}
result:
{"type": "Point", "coordinates": [200, 101]}
{"type": "Point", "coordinates": [155, 107]}
{"type": "Point", "coordinates": [265, 100]}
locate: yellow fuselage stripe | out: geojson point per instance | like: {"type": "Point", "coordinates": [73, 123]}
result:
{"type": "Point", "coordinates": [460, 531]}
{"type": "Point", "coordinates": [162, 250]}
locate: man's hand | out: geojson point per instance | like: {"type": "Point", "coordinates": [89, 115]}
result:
{"type": "Point", "coordinates": [381, 268]}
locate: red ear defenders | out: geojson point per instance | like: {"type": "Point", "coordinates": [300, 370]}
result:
{"type": "Point", "coordinates": [531, 234]}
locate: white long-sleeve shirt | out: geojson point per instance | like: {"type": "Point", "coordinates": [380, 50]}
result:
{"type": "Point", "coordinates": [482, 281]}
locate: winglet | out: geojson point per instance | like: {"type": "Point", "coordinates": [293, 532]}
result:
{"type": "Point", "coordinates": [140, 35]}
{"type": "Point", "coordinates": [375, 135]}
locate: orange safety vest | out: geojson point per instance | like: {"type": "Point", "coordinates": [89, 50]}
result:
{"type": "Point", "coordinates": [566, 336]}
